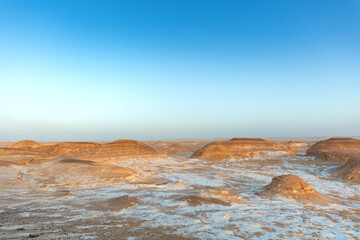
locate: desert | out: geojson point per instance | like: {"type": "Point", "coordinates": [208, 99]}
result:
{"type": "Point", "coordinates": [178, 119]}
{"type": "Point", "coordinates": [126, 189]}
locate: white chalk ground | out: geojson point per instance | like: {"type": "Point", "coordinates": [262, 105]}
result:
{"type": "Point", "coordinates": [155, 187]}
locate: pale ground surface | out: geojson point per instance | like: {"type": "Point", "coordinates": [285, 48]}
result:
{"type": "Point", "coordinates": [32, 208]}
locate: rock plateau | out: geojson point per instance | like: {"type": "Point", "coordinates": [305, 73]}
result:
{"type": "Point", "coordinates": [241, 148]}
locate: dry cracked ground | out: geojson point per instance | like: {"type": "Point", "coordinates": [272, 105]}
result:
{"type": "Point", "coordinates": [178, 198]}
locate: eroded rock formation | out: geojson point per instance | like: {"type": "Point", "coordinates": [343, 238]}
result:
{"type": "Point", "coordinates": [119, 148]}
{"type": "Point", "coordinates": [25, 144]}
{"type": "Point", "coordinates": [294, 187]}
{"type": "Point", "coordinates": [200, 200]}
{"type": "Point", "coordinates": [241, 148]}
{"type": "Point", "coordinates": [335, 149]}
{"type": "Point", "coordinates": [351, 169]}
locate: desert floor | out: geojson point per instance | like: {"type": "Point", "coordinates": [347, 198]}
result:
{"type": "Point", "coordinates": [32, 208]}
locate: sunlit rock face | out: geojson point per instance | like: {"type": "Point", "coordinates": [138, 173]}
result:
{"type": "Point", "coordinates": [24, 147]}
{"type": "Point", "coordinates": [351, 169]}
{"type": "Point", "coordinates": [119, 148]}
{"type": "Point", "coordinates": [241, 148]}
{"type": "Point", "coordinates": [127, 148]}
{"type": "Point", "coordinates": [335, 149]}
{"type": "Point", "coordinates": [70, 148]}
{"type": "Point", "coordinates": [294, 187]}
{"type": "Point", "coordinates": [25, 144]}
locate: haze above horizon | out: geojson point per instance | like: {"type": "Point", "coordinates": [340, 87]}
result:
{"type": "Point", "coordinates": [104, 70]}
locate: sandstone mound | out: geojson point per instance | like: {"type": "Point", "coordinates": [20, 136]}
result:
{"type": "Point", "coordinates": [176, 149]}
{"type": "Point", "coordinates": [294, 187]}
{"type": "Point", "coordinates": [71, 148]}
{"type": "Point", "coordinates": [127, 148]}
{"type": "Point", "coordinates": [26, 144]}
{"type": "Point", "coordinates": [119, 148]}
{"type": "Point", "coordinates": [241, 148]}
{"type": "Point", "coordinates": [335, 149]}
{"type": "Point", "coordinates": [351, 169]}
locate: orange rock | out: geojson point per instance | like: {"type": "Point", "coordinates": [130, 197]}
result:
{"type": "Point", "coordinates": [294, 187]}
{"type": "Point", "coordinates": [335, 149]}
{"type": "Point", "coordinates": [241, 148]}
{"type": "Point", "coordinates": [351, 169]}
{"type": "Point", "coordinates": [119, 148]}
{"type": "Point", "coordinates": [25, 144]}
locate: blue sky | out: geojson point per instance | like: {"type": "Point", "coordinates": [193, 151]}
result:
{"type": "Point", "coordinates": [104, 70]}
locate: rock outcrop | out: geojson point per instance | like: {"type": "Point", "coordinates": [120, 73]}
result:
{"type": "Point", "coordinates": [294, 187]}
{"type": "Point", "coordinates": [335, 149]}
{"type": "Point", "coordinates": [199, 200]}
{"type": "Point", "coordinates": [19, 151]}
{"type": "Point", "coordinates": [70, 148]}
{"type": "Point", "coordinates": [175, 149]}
{"type": "Point", "coordinates": [213, 196]}
{"type": "Point", "coordinates": [25, 144]}
{"type": "Point", "coordinates": [119, 148]}
{"type": "Point", "coordinates": [241, 148]}
{"type": "Point", "coordinates": [351, 169]}
{"type": "Point", "coordinates": [224, 195]}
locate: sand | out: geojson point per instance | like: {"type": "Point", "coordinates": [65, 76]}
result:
{"type": "Point", "coordinates": [171, 198]}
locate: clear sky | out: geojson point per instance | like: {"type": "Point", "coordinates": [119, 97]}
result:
{"type": "Point", "coordinates": [104, 70]}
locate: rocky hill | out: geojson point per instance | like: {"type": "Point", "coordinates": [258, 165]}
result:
{"type": "Point", "coordinates": [335, 149]}
{"type": "Point", "coordinates": [241, 148]}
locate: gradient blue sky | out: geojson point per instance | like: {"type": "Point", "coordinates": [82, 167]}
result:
{"type": "Point", "coordinates": [104, 70]}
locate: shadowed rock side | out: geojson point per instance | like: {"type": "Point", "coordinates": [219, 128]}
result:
{"type": "Point", "coordinates": [241, 148]}
{"type": "Point", "coordinates": [176, 149]}
{"type": "Point", "coordinates": [119, 148]}
{"type": "Point", "coordinates": [335, 149]}
{"type": "Point", "coordinates": [294, 187]}
{"type": "Point", "coordinates": [25, 144]}
{"type": "Point", "coordinates": [351, 169]}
